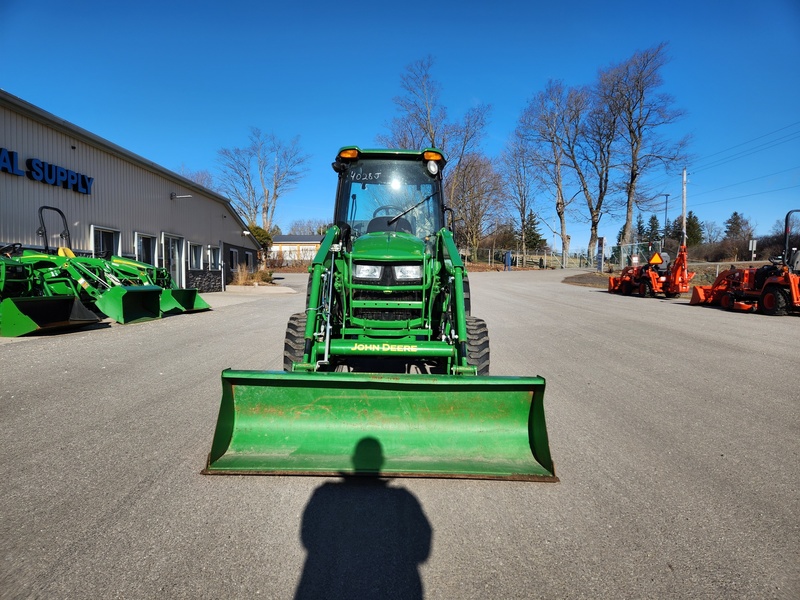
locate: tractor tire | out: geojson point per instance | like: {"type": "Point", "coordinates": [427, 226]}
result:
{"type": "Point", "coordinates": [644, 290]}
{"type": "Point", "coordinates": [478, 345]}
{"type": "Point", "coordinates": [467, 299]}
{"type": "Point", "coordinates": [294, 343]}
{"type": "Point", "coordinates": [727, 301]}
{"type": "Point", "coordinates": [774, 301]}
{"type": "Point", "coordinates": [627, 290]}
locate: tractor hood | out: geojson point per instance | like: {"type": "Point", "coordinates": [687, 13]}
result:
{"type": "Point", "coordinates": [388, 246]}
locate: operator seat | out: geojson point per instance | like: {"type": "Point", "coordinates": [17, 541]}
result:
{"type": "Point", "coordinates": [382, 224]}
{"type": "Point", "coordinates": [794, 264]}
{"type": "Point", "coordinates": [664, 266]}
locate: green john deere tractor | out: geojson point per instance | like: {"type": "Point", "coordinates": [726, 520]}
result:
{"type": "Point", "coordinates": [385, 371]}
{"type": "Point", "coordinates": [28, 306]}
{"type": "Point", "coordinates": [95, 281]}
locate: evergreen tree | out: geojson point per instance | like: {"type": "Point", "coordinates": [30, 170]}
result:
{"type": "Point", "coordinates": [533, 237]}
{"type": "Point", "coordinates": [261, 235]}
{"type": "Point", "coordinates": [641, 230]}
{"type": "Point", "coordinates": [734, 227]}
{"type": "Point", "coordinates": [653, 231]}
{"type": "Point", "coordinates": [694, 230]}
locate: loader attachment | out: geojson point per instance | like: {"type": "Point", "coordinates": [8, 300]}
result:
{"type": "Point", "coordinates": [294, 423]}
{"type": "Point", "coordinates": [130, 303]}
{"type": "Point", "coordinates": [176, 301]}
{"type": "Point", "coordinates": [21, 316]}
{"type": "Point", "coordinates": [701, 294]}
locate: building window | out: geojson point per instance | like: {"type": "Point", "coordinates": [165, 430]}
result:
{"type": "Point", "coordinates": [105, 241]}
{"type": "Point", "coordinates": [248, 260]}
{"type": "Point", "coordinates": [195, 257]}
{"type": "Point", "coordinates": [213, 258]}
{"type": "Point", "coordinates": [233, 258]}
{"type": "Point", "coordinates": [146, 249]}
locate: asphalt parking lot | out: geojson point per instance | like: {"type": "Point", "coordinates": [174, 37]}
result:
{"type": "Point", "coordinates": [674, 429]}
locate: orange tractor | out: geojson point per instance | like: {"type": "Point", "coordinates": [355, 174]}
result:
{"type": "Point", "coordinates": [658, 276]}
{"type": "Point", "coordinates": [773, 289]}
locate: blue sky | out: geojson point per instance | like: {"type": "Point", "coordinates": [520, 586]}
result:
{"type": "Point", "coordinates": [176, 81]}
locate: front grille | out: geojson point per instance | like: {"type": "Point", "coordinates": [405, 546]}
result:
{"type": "Point", "coordinates": [381, 296]}
{"type": "Point", "coordinates": [388, 313]}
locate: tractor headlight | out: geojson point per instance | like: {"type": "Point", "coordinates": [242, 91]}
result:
{"type": "Point", "coordinates": [406, 272]}
{"type": "Point", "coordinates": [367, 271]}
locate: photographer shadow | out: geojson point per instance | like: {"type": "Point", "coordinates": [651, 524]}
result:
{"type": "Point", "coordinates": [364, 538]}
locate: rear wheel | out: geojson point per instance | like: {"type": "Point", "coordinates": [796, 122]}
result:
{"type": "Point", "coordinates": [478, 345]}
{"type": "Point", "coordinates": [774, 301]}
{"type": "Point", "coordinates": [294, 342]}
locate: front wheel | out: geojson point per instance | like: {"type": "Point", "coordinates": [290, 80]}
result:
{"type": "Point", "coordinates": [727, 301]}
{"type": "Point", "coordinates": [294, 343]}
{"type": "Point", "coordinates": [478, 345]}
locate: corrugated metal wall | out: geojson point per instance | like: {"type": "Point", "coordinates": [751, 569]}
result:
{"type": "Point", "coordinates": [127, 195]}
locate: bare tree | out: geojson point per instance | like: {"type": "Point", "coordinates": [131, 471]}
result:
{"type": "Point", "coordinates": [544, 127]}
{"type": "Point", "coordinates": [202, 177]}
{"type": "Point", "coordinates": [711, 232]}
{"type": "Point", "coordinates": [256, 176]}
{"type": "Point", "coordinates": [309, 227]}
{"type": "Point", "coordinates": [422, 122]}
{"type": "Point", "coordinates": [477, 199]}
{"type": "Point", "coordinates": [422, 119]}
{"type": "Point", "coordinates": [590, 132]}
{"type": "Point", "coordinates": [236, 182]}
{"type": "Point", "coordinates": [518, 171]}
{"type": "Point", "coordinates": [630, 91]}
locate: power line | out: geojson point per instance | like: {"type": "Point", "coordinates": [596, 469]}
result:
{"type": "Point", "coordinates": [742, 154]}
{"type": "Point", "coordinates": [699, 165]}
{"type": "Point", "coordinates": [791, 187]}
{"type": "Point", "coordinates": [754, 139]}
{"type": "Point", "coordinates": [747, 181]}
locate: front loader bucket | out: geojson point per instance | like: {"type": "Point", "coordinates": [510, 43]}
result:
{"type": "Point", "coordinates": [377, 424]}
{"type": "Point", "coordinates": [701, 294]}
{"type": "Point", "coordinates": [175, 301]}
{"type": "Point", "coordinates": [21, 316]}
{"type": "Point", "coordinates": [131, 303]}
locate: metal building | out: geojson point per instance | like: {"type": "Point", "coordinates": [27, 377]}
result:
{"type": "Point", "coordinates": [114, 201]}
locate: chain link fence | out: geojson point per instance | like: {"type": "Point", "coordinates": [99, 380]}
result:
{"type": "Point", "coordinates": [542, 259]}
{"type": "Point", "coordinates": [627, 255]}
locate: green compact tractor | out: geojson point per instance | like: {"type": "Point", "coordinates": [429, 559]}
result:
{"type": "Point", "coordinates": [28, 306]}
{"type": "Point", "coordinates": [385, 371]}
{"type": "Point", "coordinates": [100, 286]}
{"type": "Point", "coordinates": [124, 289]}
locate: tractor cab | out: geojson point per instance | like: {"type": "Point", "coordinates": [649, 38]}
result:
{"type": "Point", "coordinates": [399, 193]}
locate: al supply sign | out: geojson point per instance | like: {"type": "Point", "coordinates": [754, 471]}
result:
{"type": "Point", "coordinates": [45, 172]}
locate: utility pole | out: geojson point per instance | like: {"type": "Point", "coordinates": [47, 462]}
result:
{"type": "Point", "coordinates": [683, 211]}
{"type": "Point", "coordinates": [664, 239]}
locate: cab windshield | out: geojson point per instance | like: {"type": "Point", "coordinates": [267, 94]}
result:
{"type": "Point", "coordinates": [390, 195]}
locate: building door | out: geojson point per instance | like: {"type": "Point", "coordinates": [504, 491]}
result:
{"type": "Point", "coordinates": [173, 258]}
{"type": "Point", "coordinates": [146, 249]}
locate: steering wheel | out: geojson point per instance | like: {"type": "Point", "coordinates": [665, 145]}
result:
{"type": "Point", "coordinates": [10, 249]}
{"type": "Point", "coordinates": [389, 208]}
